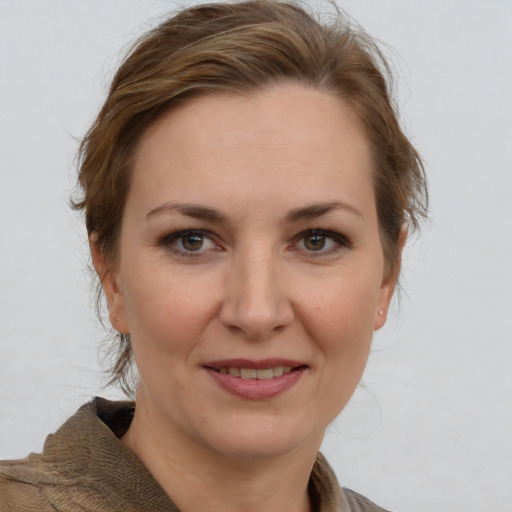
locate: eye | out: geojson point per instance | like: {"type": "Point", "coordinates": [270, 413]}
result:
{"type": "Point", "coordinates": [192, 242]}
{"type": "Point", "coordinates": [315, 242]}
{"type": "Point", "coordinates": [189, 243]}
{"type": "Point", "coordinates": [321, 242]}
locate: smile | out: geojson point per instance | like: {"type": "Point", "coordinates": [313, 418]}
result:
{"type": "Point", "coordinates": [259, 374]}
{"type": "Point", "coordinates": [256, 380]}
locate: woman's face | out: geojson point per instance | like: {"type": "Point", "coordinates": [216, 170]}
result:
{"type": "Point", "coordinates": [250, 273]}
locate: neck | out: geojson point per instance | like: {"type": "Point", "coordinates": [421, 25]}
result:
{"type": "Point", "coordinates": [198, 478]}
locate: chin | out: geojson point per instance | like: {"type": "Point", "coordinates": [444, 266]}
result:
{"type": "Point", "coordinates": [262, 438]}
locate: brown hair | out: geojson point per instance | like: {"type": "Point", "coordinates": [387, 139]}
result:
{"type": "Point", "coordinates": [239, 47]}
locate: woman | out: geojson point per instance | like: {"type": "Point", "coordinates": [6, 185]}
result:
{"type": "Point", "coordinates": [247, 192]}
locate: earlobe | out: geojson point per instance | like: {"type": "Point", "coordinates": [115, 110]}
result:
{"type": "Point", "coordinates": [109, 282]}
{"type": "Point", "coordinates": [381, 313]}
{"type": "Point", "coordinates": [380, 319]}
{"type": "Point", "coordinates": [388, 285]}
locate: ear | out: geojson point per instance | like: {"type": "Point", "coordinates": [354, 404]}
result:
{"type": "Point", "coordinates": [109, 282]}
{"type": "Point", "coordinates": [388, 285]}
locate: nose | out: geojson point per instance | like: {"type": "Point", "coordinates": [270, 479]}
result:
{"type": "Point", "coordinates": [255, 301]}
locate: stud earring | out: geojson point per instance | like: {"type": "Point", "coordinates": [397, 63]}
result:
{"type": "Point", "coordinates": [381, 312]}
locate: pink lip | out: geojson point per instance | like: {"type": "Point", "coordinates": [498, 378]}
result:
{"type": "Point", "coordinates": [254, 389]}
{"type": "Point", "coordinates": [252, 364]}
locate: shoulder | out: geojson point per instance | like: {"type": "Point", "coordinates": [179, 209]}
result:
{"type": "Point", "coordinates": [358, 503]}
{"type": "Point", "coordinates": [44, 481]}
{"type": "Point", "coordinates": [83, 466]}
{"type": "Point", "coordinates": [327, 495]}
{"type": "Point", "coordinates": [21, 489]}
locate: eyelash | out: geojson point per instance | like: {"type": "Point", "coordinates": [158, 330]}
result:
{"type": "Point", "coordinates": [169, 241]}
{"type": "Point", "coordinates": [340, 242]}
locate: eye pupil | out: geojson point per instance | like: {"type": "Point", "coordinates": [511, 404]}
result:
{"type": "Point", "coordinates": [192, 242]}
{"type": "Point", "coordinates": [314, 242]}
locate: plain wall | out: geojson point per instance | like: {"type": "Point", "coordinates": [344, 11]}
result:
{"type": "Point", "coordinates": [430, 428]}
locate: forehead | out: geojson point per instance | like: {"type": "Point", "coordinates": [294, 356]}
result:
{"type": "Point", "coordinates": [297, 141]}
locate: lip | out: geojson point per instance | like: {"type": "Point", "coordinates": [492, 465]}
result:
{"type": "Point", "coordinates": [259, 364]}
{"type": "Point", "coordinates": [254, 389]}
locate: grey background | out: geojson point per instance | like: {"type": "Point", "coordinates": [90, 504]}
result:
{"type": "Point", "coordinates": [430, 426]}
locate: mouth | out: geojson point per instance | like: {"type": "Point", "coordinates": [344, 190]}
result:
{"type": "Point", "coordinates": [255, 369]}
{"type": "Point", "coordinates": [256, 380]}
{"type": "Point", "coordinates": [253, 373]}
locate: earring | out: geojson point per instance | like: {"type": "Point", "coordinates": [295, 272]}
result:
{"type": "Point", "coordinates": [381, 312]}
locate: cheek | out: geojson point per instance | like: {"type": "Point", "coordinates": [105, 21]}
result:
{"type": "Point", "coordinates": [167, 313]}
{"type": "Point", "coordinates": [341, 318]}
{"type": "Point", "coordinates": [344, 332]}
{"type": "Point", "coordinates": [345, 304]}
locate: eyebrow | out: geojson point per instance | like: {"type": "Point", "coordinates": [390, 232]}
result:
{"type": "Point", "coordinates": [318, 209]}
{"type": "Point", "coordinates": [311, 211]}
{"type": "Point", "coordinates": [189, 210]}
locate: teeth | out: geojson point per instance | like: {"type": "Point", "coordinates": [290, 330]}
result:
{"type": "Point", "coordinates": [251, 373]}
{"type": "Point", "coordinates": [278, 371]}
{"type": "Point", "coordinates": [248, 373]}
{"type": "Point", "coordinates": [264, 374]}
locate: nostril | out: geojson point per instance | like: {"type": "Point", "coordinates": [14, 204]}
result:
{"type": "Point", "coordinates": [255, 302]}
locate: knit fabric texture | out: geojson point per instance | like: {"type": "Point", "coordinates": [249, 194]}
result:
{"type": "Point", "coordinates": [84, 467]}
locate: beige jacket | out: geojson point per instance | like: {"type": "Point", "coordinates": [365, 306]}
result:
{"type": "Point", "coordinates": [84, 467]}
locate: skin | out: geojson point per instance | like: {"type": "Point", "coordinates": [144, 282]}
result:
{"type": "Point", "coordinates": [261, 285]}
